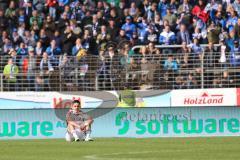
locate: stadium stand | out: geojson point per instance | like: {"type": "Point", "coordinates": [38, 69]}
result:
{"type": "Point", "coordinates": [73, 45]}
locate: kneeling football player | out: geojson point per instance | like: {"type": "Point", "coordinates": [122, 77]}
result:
{"type": "Point", "coordinates": [78, 123]}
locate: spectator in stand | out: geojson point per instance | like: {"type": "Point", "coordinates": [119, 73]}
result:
{"type": "Point", "coordinates": [210, 57]}
{"type": "Point", "coordinates": [3, 21]}
{"type": "Point", "coordinates": [231, 38]}
{"type": "Point", "coordinates": [237, 28]}
{"type": "Point", "coordinates": [3, 4]}
{"type": "Point", "coordinates": [152, 12]}
{"type": "Point", "coordinates": [16, 38]}
{"type": "Point", "coordinates": [7, 45]}
{"type": "Point", "coordinates": [63, 22]}
{"type": "Point", "coordinates": [191, 81]}
{"type": "Point", "coordinates": [39, 5]}
{"type": "Point", "coordinates": [219, 19]}
{"type": "Point", "coordinates": [43, 38]}
{"type": "Point", "coordinates": [125, 58]}
{"type": "Point", "coordinates": [57, 37]}
{"type": "Point", "coordinates": [173, 5]}
{"type": "Point", "coordinates": [122, 36]}
{"type": "Point", "coordinates": [143, 51]}
{"type": "Point", "coordinates": [134, 40]}
{"type": "Point", "coordinates": [158, 23]}
{"type": "Point", "coordinates": [114, 17]}
{"type": "Point", "coordinates": [22, 51]}
{"type": "Point", "coordinates": [183, 35]}
{"type": "Point", "coordinates": [28, 8]}
{"type": "Point", "coordinates": [66, 68]}
{"type": "Point", "coordinates": [88, 41]}
{"type": "Point", "coordinates": [213, 32]}
{"type": "Point", "coordinates": [152, 35]}
{"type": "Point", "coordinates": [162, 8]}
{"type": "Point", "coordinates": [235, 54]}
{"type": "Point", "coordinates": [11, 15]}
{"type": "Point", "coordinates": [10, 73]}
{"type": "Point", "coordinates": [15, 58]}
{"type": "Point", "coordinates": [236, 6]}
{"type": "Point", "coordinates": [49, 26]}
{"type": "Point", "coordinates": [129, 27]}
{"type": "Point", "coordinates": [184, 10]}
{"type": "Point", "coordinates": [198, 35]}
{"type": "Point", "coordinates": [167, 37]}
{"type": "Point", "coordinates": [152, 49]}
{"type": "Point", "coordinates": [62, 3]}
{"type": "Point", "coordinates": [112, 29]}
{"type": "Point", "coordinates": [52, 4]}
{"type": "Point", "coordinates": [39, 49]}
{"type": "Point", "coordinates": [102, 69]}
{"type": "Point", "coordinates": [142, 29]}
{"type": "Point", "coordinates": [39, 83]}
{"type": "Point", "coordinates": [198, 23]}
{"type": "Point", "coordinates": [30, 68]}
{"type": "Point", "coordinates": [53, 52]}
{"type": "Point", "coordinates": [36, 18]}
{"type": "Point", "coordinates": [199, 11]}
{"type": "Point", "coordinates": [46, 69]}
{"type": "Point", "coordinates": [112, 68]}
{"type": "Point", "coordinates": [223, 54]}
{"type": "Point", "coordinates": [183, 56]}
{"type": "Point", "coordinates": [77, 47]}
{"type": "Point", "coordinates": [133, 9]}
{"type": "Point", "coordinates": [170, 17]}
{"type": "Point", "coordinates": [232, 20]}
{"type": "Point", "coordinates": [196, 54]}
{"type": "Point", "coordinates": [171, 68]}
{"type": "Point", "coordinates": [29, 38]}
{"type": "Point", "coordinates": [170, 64]}
{"type": "Point", "coordinates": [36, 23]}
{"type": "Point", "coordinates": [103, 37]}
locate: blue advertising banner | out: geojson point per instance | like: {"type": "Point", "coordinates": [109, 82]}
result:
{"type": "Point", "coordinates": [124, 122]}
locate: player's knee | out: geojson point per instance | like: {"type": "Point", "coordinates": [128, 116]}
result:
{"type": "Point", "coordinates": [70, 127]}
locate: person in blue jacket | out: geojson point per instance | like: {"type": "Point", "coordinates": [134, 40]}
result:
{"type": "Point", "coordinates": [129, 27]}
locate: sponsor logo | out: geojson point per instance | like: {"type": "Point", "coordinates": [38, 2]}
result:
{"type": "Point", "coordinates": [25, 129]}
{"type": "Point", "coordinates": [204, 99]}
{"type": "Point", "coordinates": [66, 103]}
{"type": "Point", "coordinates": [175, 126]}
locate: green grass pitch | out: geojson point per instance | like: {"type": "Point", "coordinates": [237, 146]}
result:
{"type": "Point", "coordinates": [218, 148]}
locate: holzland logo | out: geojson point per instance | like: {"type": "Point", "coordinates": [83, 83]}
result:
{"type": "Point", "coordinates": [204, 98]}
{"type": "Point", "coordinates": [63, 103]}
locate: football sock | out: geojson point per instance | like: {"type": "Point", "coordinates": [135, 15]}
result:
{"type": "Point", "coordinates": [88, 134]}
{"type": "Point", "coordinates": [74, 133]}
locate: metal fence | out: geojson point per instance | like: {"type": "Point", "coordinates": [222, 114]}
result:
{"type": "Point", "coordinates": [138, 72]}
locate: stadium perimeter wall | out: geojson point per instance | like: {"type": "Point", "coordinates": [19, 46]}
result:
{"type": "Point", "coordinates": [177, 113]}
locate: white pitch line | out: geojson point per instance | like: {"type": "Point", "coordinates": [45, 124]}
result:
{"type": "Point", "coordinates": [100, 156]}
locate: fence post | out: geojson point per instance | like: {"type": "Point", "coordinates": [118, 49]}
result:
{"type": "Point", "coordinates": [76, 77]}
{"type": "Point", "coordinates": [202, 67]}
{"type": "Point", "coordinates": [60, 78]}
{"type": "Point", "coordinates": [1, 82]}
{"type": "Point", "coordinates": [96, 82]}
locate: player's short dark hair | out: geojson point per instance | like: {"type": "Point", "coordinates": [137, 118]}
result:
{"type": "Point", "coordinates": [76, 101]}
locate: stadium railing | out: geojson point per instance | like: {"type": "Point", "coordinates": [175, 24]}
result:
{"type": "Point", "coordinates": [91, 73]}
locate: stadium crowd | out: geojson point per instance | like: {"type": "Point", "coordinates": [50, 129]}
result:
{"type": "Point", "coordinates": [43, 38]}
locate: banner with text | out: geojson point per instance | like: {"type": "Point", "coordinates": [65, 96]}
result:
{"type": "Point", "coordinates": [204, 97]}
{"type": "Point", "coordinates": [101, 99]}
{"type": "Point", "coordinates": [124, 122]}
